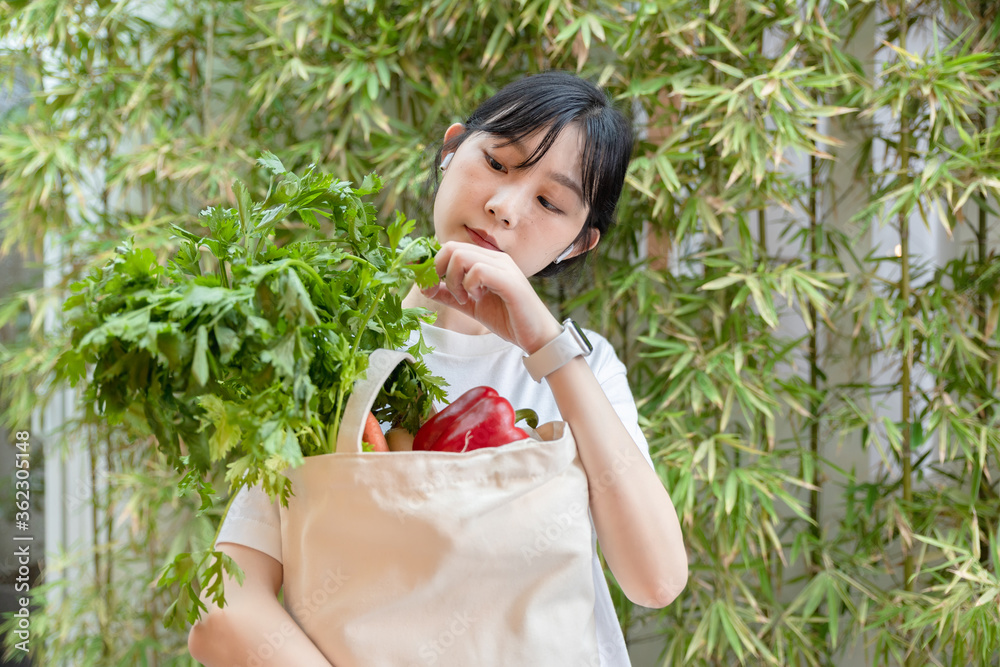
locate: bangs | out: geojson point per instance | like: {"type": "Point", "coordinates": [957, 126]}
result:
{"type": "Point", "coordinates": [520, 120]}
{"type": "Point", "coordinates": [544, 105]}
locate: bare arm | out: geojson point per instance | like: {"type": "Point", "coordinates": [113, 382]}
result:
{"type": "Point", "coordinates": [253, 628]}
{"type": "Point", "coordinates": [635, 519]}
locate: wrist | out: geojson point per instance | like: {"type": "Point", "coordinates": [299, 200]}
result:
{"type": "Point", "coordinates": [569, 343]}
{"type": "Point", "coordinates": [567, 369]}
{"type": "Point", "coordinates": [548, 334]}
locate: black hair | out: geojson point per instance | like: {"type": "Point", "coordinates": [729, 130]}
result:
{"type": "Point", "coordinates": [554, 100]}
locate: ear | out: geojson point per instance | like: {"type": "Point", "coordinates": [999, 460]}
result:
{"type": "Point", "coordinates": [592, 240]}
{"type": "Point", "coordinates": [454, 130]}
{"type": "Point", "coordinates": [595, 238]}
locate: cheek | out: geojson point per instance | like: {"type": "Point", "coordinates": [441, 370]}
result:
{"type": "Point", "coordinates": [540, 249]}
{"type": "Point", "coordinates": [456, 196]}
{"type": "Point", "coordinates": [444, 204]}
{"type": "Point", "coordinates": [436, 210]}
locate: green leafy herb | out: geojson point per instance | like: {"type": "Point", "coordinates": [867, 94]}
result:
{"type": "Point", "coordinates": [242, 358]}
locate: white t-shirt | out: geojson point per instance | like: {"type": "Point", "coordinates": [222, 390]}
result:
{"type": "Point", "coordinates": [465, 362]}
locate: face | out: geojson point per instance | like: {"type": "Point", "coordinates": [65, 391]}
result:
{"type": "Point", "coordinates": [531, 214]}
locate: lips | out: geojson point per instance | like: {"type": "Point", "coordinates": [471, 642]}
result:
{"type": "Point", "coordinates": [482, 239]}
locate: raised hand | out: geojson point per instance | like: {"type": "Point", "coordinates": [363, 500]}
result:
{"type": "Point", "coordinates": [488, 286]}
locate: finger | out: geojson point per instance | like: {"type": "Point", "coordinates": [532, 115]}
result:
{"type": "Point", "coordinates": [456, 260]}
{"type": "Point", "coordinates": [454, 284]}
{"type": "Point", "coordinates": [474, 283]}
{"type": "Point", "coordinates": [458, 264]}
{"type": "Point", "coordinates": [450, 249]}
{"type": "Point", "coordinates": [447, 254]}
{"type": "Point", "coordinates": [440, 294]}
{"type": "Point", "coordinates": [482, 278]}
{"type": "Point", "coordinates": [443, 257]}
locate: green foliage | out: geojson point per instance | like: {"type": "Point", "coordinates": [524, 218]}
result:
{"type": "Point", "coordinates": [281, 330]}
{"type": "Point", "coordinates": [750, 352]}
{"type": "Point", "coordinates": [247, 367]}
{"type": "Point", "coordinates": [752, 357]}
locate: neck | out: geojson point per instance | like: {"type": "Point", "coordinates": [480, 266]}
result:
{"type": "Point", "coordinates": [447, 318]}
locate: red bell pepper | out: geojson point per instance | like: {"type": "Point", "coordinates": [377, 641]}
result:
{"type": "Point", "coordinates": [478, 418]}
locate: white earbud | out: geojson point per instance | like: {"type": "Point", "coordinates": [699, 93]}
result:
{"type": "Point", "coordinates": [565, 253]}
{"type": "Point", "coordinates": [446, 161]}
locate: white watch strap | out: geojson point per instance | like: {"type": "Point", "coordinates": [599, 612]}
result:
{"type": "Point", "coordinates": [557, 352]}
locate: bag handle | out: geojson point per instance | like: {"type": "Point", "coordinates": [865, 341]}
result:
{"type": "Point", "coordinates": [381, 364]}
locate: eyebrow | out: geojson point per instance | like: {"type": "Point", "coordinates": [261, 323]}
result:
{"type": "Point", "coordinates": [558, 177]}
{"type": "Point", "coordinates": [568, 182]}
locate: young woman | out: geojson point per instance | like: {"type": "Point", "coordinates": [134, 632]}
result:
{"type": "Point", "coordinates": [528, 186]}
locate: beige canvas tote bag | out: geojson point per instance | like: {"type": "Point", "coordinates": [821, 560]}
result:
{"type": "Point", "coordinates": [435, 558]}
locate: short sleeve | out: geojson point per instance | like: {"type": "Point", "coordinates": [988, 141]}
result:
{"type": "Point", "coordinates": [253, 520]}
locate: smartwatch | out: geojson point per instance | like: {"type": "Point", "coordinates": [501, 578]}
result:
{"type": "Point", "coordinates": [559, 351]}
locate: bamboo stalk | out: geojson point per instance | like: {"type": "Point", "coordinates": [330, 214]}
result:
{"type": "Point", "coordinates": [761, 425]}
{"type": "Point", "coordinates": [906, 453]}
{"type": "Point", "coordinates": [100, 566]}
{"type": "Point", "coordinates": [762, 233]}
{"type": "Point", "coordinates": [905, 293]}
{"type": "Point", "coordinates": [103, 571]}
{"type": "Point", "coordinates": [982, 259]}
{"type": "Point", "coordinates": [109, 518]}
{"type": "Point", "coordinates": [814, 506]}
{"type": "Point", "coordinates": [206, 84]}
{"type": "Point", "coordinates": [153, 613]}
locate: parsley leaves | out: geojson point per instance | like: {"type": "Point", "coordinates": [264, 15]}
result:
{"type": "Point", "coordinates": [240, 353]}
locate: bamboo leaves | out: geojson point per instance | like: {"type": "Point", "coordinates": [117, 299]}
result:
{"type": "Point", "coordinates": [752, 314]}
{"type": "Point", "coordinates": [750, 99]}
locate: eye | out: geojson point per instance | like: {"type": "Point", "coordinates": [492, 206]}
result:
{"type": "Point", "coordinates": [496, 166]}
{"type": "Point", "coordinates": [548, 205]}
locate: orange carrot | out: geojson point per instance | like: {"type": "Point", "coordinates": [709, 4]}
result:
{"type": "Point", "coordinates": [373, 435]}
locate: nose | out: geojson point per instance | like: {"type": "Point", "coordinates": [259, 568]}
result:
{"type": "Point", "coordinates": [507, 205]}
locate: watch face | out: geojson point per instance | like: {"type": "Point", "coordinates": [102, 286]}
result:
{"type": "Point", "coordinates": [582, 336]}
